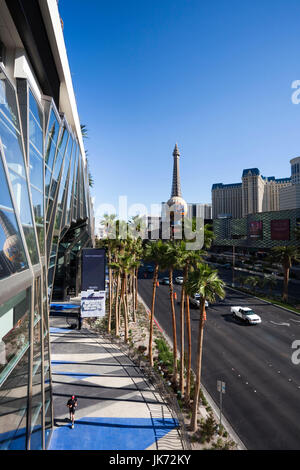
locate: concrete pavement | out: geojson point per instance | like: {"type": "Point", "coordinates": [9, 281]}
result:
{"type": "Point", "coordinates": [118, 408]}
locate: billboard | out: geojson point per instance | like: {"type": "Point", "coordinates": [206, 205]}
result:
{"type": "Point", "coordinates": [280, 229]}
{"type": "Point", "coordinates": [256, 230]}
{"type": "Point", "coordinates": [93, 269]}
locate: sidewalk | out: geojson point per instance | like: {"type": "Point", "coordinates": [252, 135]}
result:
{"type": "Point", "coordinates": [118, 409]}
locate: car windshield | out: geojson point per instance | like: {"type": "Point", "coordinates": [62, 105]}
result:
{"type": "Point", "coordinates": [250, 312]}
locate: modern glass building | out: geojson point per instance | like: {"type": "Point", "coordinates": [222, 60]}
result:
{"type": "Point", "coordinates": [46, 215]}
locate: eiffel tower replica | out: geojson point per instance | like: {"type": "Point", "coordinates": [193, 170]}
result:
{"type": "Point", "coordinates": [176, 202]}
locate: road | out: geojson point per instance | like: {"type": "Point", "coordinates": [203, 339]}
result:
{"type": "Point", "coordinates": [262, 384]}
{"type": "Point", "coordinates": [293, 288]}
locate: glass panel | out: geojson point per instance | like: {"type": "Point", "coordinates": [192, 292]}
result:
{"type": "Point", "coordinates": [8, 103]}
{"type": "Point", "coordinates": [12, 255]}
{"type": "Point", "coordinates": [35, 133]}
{"type": "Point", "coordinates": [35, 109]}
{"type": "Point", "coordinates": [14, 331]}
{"type": "Point", "coordinates": [5, 199]}
{"type": "Point", "coordinates": [37, 298]}
{"type": "Point", "coordinates": [36, 442]}
{"type": "Point", "coordinates": [13, 153]}
{"type": "Point", "coordinates": [53, 127]}
{"type": "Point", "coordinates": [12, 145]}
{"type": "Point", "coordinates": [36, 168]}
{"type": "Point", "coordinates": [47, 180]}
{"type": "Point", "coordinates": [47, 390]}
{"type": "Point", "coordinates": [21, 197]}
{"type": "Point", "coordinates": [48, 422]}
{"type": "Point", "coordinates": [31, 244]}
{"type": "Point", "coordinates": [63, 140]}
{"type": "Point", "coordinates": [41, 238]}
{"type": "Point", "coordinates": [13, 407]}
{"type": "Point", "coordinates": [37, 402]}
{"type": "Point", "coordinates": [50, 153]}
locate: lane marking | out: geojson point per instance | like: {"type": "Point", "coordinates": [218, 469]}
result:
{"type": "Point", "coordinates": [279, 324]}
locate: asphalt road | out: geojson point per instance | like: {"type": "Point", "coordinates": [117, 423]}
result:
{"type": "Point", "coordinates": [262, 384]}
{"type": "Point", "coordinates": [293, 288]}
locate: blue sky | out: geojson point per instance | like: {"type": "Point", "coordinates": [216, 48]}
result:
{"type": "Point", "coordinates": [215, 77]}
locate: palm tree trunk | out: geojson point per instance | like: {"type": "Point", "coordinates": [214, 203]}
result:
{"type": "Point", "coordinates": [182, 300]}
{"type": "Point", "coordinates": [136, 287]}
{"type": "Point", "coordinates": [286, 284]}
{"type": "Point", "coordinates": [194, 422]}
{"type": "Point", "coordinates": [133, 295]}
{"type": "Point", "coordinates": [189, 334]}
{"type": "Point", "coordinates": [181, 379]}
{"type": "Point", "coordinates": [123, 299]}
{"type": "Point", "coordinates": [173, 325]}
{"type": "Point", "coordinates": [109, 294]}
{"type": "Point", "coordinates": [117, 306]}
{"type": "Point", "coordinates": [152, 314]}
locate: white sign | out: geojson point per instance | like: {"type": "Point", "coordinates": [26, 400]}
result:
{"type": "Point", "coordinates": [92, 303]}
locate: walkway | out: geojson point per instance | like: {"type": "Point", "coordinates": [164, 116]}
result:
{"type": "Point", "coordinates": [118, 409]}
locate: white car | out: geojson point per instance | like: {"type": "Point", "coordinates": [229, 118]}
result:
{"type": "Point", "coordinates": [246, 314]}
{"type": "Point", "coordinates": [179, 280]}
{"type": "Point", "coordinates": [195, 301]}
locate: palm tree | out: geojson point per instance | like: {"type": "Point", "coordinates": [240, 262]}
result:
{"type": "Point", "coordinates": [285, 255]}
{"type": "Point", "coordinates": [108, 221]}
{"type": "Point", "coordinates": [154, 251]}
{"type": "Point", "coordinates": [206, 282]}
{"type": "Point", "coordinates": [170, 261]}
{"type": "Point", "coordinates": [187, 259]}
{"type": "Point", "coordinates": [271, 282]}
{"type": "Point", "coordinates": [253, 282]}
{"type": "Point", "coordinates": [124, 265]}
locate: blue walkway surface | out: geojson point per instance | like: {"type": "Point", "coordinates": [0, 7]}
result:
{"type": "Point", "coordinates": [118, 408]}
{"type": "Point", "coordinates": [111, 433]}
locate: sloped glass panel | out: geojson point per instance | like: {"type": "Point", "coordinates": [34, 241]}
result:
{"type": "Point", "coordinates": [53, 128]}
{"type": "Point", "coordinates": [35, 168]}
{"type": "Point", "coordinates": [14, 330]}
{"type": "Point", "coordinates": [8, 104]}
{"type": "Point", "coordinates": [12, 254]}
{"type": "Point", "coordinates": [11, 141]}
{"type": "Point", "coordinates": [13, 153]}
{"type": "Point", "coordinates": [35, 133]}
{"type": "Point", "coordinates": [35, 109]}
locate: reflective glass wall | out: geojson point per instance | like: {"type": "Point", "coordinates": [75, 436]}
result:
{"type": "Point", "coordinates": [44, 201]}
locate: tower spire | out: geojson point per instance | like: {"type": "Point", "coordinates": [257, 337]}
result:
{"type": "Point", "coordinates": [176, 188]}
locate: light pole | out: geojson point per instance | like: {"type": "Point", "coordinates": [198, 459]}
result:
{"type": "Point", "coordinates": [233, 264]}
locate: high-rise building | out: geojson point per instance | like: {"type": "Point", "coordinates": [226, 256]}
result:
{"type": "Point", "coordinates": [289, 197]}
{"type": "Point", "coordinates": [256, 193]}
{"type": "Point", "coordinates": [46, 215]}
{"type": "Point", "coordinates": [200, 210]}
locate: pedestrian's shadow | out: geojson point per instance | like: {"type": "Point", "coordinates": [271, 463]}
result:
{"type": "Point", "coordinates": [61, 422]}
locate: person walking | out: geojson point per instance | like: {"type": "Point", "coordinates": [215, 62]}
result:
{"type": "Point", "coordinates": [72, 404]}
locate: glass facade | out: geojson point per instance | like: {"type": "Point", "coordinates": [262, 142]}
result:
{"type": "Point", "coordinates": [44, 224]}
